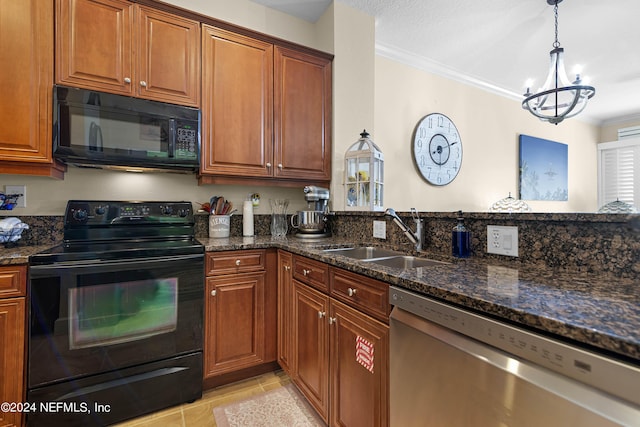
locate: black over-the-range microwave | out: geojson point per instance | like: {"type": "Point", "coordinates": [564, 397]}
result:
{"type": "Point", "coordinates": [100, 129]}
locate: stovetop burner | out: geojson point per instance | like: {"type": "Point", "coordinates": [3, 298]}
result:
{"type": "Point", "coordinates": [114, 230]}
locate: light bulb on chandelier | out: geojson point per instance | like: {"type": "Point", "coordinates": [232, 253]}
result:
{"type": "Point", "coordinates": [558, 98]}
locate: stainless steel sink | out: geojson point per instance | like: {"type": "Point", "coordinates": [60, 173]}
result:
{"type": "Point", "coordinates": [365, 252]}
{"type": "Point", "coordinates": [405, 262]}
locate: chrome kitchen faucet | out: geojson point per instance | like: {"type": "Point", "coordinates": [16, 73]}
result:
{"type": "Point", "coordinates": [416, 237]}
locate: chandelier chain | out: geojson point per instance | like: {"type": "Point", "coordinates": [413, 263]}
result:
{"type": "Point", "coordinates": [556, 43]}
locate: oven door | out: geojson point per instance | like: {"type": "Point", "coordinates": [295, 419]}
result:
{"type": "Point", "coordinates": [93, 317]}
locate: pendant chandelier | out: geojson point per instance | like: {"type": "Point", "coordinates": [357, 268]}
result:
{"type": "Point", "coordinates": [558, 98]}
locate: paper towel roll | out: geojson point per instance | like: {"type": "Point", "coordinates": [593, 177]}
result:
{"type": "Point", "coordinates": [247, 218]}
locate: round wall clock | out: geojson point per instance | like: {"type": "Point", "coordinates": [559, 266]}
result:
{"type": "Point", "coordinates": [437, 149]}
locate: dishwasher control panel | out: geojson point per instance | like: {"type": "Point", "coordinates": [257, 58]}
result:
{"type": "Point", "coordinates": [617, 378]}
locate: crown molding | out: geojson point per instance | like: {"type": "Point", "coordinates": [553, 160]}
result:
{"type": "Point", "coordinates": [437, 68]}
{"type": "Point", "coordinates": [416, 61]}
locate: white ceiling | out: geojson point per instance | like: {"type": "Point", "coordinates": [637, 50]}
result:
{"type": "Point", "coordinates": [499, 44]}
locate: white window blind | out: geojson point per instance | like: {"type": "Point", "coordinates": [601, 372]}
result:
{"type": "Point", "coordinates": [619, 172]}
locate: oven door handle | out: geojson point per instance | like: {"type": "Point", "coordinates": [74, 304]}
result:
{"type": "Point", "coordinates": [142, 262]}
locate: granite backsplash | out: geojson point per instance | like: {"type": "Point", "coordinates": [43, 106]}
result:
{"type": "Point", "coordinates": [592, 243]}
{"type": "Point", "coordinates": [597, 243]}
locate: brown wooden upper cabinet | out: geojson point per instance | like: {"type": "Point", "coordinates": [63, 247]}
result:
{"type": "Point", "coordinates": [266, 111]}
{"type": "Point", "coordinates": [120, 47]}
{"type": "Point", "coordinates": [26, 77]}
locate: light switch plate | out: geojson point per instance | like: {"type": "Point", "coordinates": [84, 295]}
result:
{"type": "Point", "coordinates": [18, 189]}
{"type": "Point", "coordinates": [502, 240]}
{"type": "Point", "coordinates": [380, 229]}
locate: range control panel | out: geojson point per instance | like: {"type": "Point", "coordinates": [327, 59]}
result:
{"type": "Point", "coordinates": [106, 213]}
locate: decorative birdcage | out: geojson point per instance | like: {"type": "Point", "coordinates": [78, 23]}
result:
{"type": "Point", "coordinates": [364, 176]}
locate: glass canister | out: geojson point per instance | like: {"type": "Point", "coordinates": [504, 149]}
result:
{"type": "Point", "coordinates": [460, 239]}
{"type": "Point", "coordinates": [279, 224]}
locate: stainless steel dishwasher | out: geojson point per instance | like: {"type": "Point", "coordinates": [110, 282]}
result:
{"type": "Point", "coordinates": [451, 367]}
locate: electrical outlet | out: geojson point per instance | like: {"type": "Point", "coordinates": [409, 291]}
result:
{"type": "Point", "coordinates": [380, 229]}
{"type": "Point", "coordinates": [502, 240]}
{"type": "Point", "coordinates": [18, 189]}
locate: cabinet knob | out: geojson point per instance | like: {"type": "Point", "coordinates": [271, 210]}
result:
{"type": "Point", "coordinates": [287, 268]}
{"type": "Point", "coordinates": [279, 165]}
{"type": "Point", "coordinates": [237, 262]}
{"type": "Point", "coordinates": [332, 320]}
{"type": "Point", "coordinates": [321, 314]}
{"type": "Point", "coordinates": [127, 80]}
{"type": "Point", "coordinates": [351, 291]}
{"type": "Point", "coordinates": [268, 164]}
{"type": "Point", "coordinates": [213, 293]}
{"type": "Point", "coordinates": [143, 83]}
{"type": "Point", "coordinates": [305, 271]}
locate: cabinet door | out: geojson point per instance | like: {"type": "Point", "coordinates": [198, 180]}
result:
{"type": "Point", "coordinates": [26, 78]}
{"type": "Point", "coordinates": [359, 369]}
{"type": "Point", "coordinates": [311, 335]}
{"type": "Point", "coordinates": [285, 312]}
{"type": "Point", "coordinates": [168, 59]}
{"type": "Point", "coordinates": [94, 44]}
{"type": "Point", "coordinates": [234, 323]}
{"type": "Point", "coordinates": [302, 100]}
{"type": "Point", "coordinates": [12, 330]}
{"type": "Point", "coordinates": [237, 105]}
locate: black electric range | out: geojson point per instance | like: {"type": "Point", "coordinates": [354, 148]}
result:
{"type": "Point", "coordinates": [116, 314]}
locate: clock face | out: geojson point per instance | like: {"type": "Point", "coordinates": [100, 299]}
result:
{"type": "Point", "coordinates": [437, 149]}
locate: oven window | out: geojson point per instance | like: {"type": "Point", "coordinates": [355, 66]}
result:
{"type": "Point", "coordinates": [120, 312]}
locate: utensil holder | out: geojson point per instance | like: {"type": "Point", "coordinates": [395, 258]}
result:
{"type": "Point", "coordinates": [219, 226]}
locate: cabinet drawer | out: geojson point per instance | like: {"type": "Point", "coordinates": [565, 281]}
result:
{"type": "Point", "coordinates": [13, 281]}
{"type": "Point", "coordinates": [234, 262]}
{"type": "Point", "coordinates": [368, 295]}
{"type": "Point", "coordinates": [311, 272]}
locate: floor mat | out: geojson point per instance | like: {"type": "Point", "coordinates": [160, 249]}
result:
{"type": "Point", "coordinates": [283, 406]}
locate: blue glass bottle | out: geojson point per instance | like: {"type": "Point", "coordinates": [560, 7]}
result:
{"type": "Point", "coordinates": [460, 239]}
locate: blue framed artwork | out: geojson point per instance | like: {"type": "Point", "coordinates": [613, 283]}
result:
{"type": "Point", "coordinates": [543, 169]}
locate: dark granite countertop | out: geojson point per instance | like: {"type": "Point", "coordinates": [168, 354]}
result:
{"type": "Point", "coordinates": [19, 254]}
{"type": "Point", "coordinates": [601, 312]}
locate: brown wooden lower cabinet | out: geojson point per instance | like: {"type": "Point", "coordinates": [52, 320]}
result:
{"type": "Point", "coordinates": [359, 368]}
{"type": "Point", "coordinates": [12, 340]}
{"type": "Point", "coordinates": [311, 345]}
{"type": "Point", "coordinates": [240, 311]}
{"type": "Point", "coordinates": [285, 310]}
{"type": "Point", "coordinates": [338, 355]}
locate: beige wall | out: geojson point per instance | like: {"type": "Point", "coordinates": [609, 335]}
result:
{"type": "Point", "coordinates": [385, 97]}
{"type": "Point", "coordinates": [489, 126]}
{"type": "Point", "coordinates": [257, 17]}
{"type": "Point", "coordinates": [353, 87]}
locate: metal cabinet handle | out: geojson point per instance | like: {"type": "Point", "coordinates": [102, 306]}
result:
{"type": "Point", "coordinates": [127, 80]}
{"type": "Point", "coordinates": [279, 165]}
{"type": "Point", "coordinates": [237, 262]}
{"type": "Point", "coordinates": [305, 272]}
{"type": "Point", "coordinates": [332, 320]}
{"type": "Point", "coordinates": [143, 83]}
{"type": "Point", "coordinates": [321, 314]}
{"type": "Point", "coordinates": [213, 293]}
{"type": "Point", "coordinates": [351, 291]}
{"type": "Point", "coordinates": [268, 164]}
{"type": "Point", "coordinates": [287, 268]}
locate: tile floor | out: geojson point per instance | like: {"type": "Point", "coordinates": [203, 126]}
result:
{"type": "Point", "coordinates": [200, 412]}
